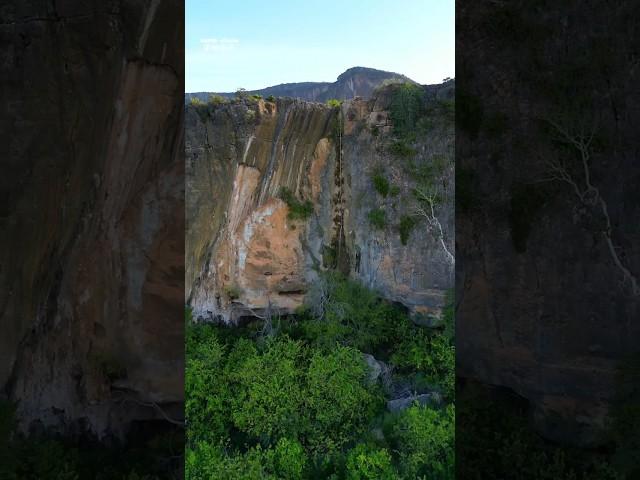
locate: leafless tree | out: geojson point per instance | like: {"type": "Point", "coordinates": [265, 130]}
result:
{"type": "Point", "coordinates": [319, 297]}
{"type": "Point", "coordinates": [579, 136]}
{"type": "Point", "coordinates": [270, 320]}
{"type": "Point", "coordinates": [426, 209]}
{"type": "Point", "coordinates": [123, 397]}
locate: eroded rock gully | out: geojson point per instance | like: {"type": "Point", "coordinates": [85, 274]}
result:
{"type": "Point", "coordinates": [246, 255]}
{"type": "Point", "coordinates": [92, 213]}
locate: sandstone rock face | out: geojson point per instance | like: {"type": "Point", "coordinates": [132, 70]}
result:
{"type": "Point", "coordinates": [92, 220]}
{"type": "Point", "coordinates": [245, 253]}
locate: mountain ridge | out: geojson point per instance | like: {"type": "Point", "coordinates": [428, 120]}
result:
{"type": "Point", "coordinates": [353, 82]}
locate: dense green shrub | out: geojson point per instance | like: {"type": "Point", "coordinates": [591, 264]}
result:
{"type": "Point", "coordinates": [366, 462]}
{"type": "Point", "coordinates": [300, 404]}
{"type": "Point", "coordinates": [340, 403]}
{"type": "Point", "coordinates": [355, 316]}
{"type": "Point", "coordinates": [377, 218]}
{"type": "Point", "coordinates": [425, 439]}
{"type": "Point", "coordinates": [429, 353]}
{"type": "Point", "coordinates": [266, 388]}
{"type": "Point", "coordinates": [201, 108]}
{"type": "Point", "coordinates": [333, 103]}
{"type": "Point", "coordinates": [206, 390]}
{"type": "Point", "coordinates": [271, 98]}
{"type": "Point", "coordinates": [407, 223]}
{"type": "Point", "coordinates": [216, 100]}
{"type": "Point", "coordinates": [380, 183]}
{"type": "Point", "coordinates": [298, 210]}
{"type": "Point", "coordinates": [400, 148]}
{"type": "Point", "coordinates": [407, 106]}
{"type": "Point", "coordinates": [285, 461]}
{"type": "Point", "coordinates": [447, 110]}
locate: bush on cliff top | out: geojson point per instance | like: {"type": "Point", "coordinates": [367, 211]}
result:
{"type": "Point", "coordinates": [407, 106]}
{"type": "Point", "coordinates": [216, 100]}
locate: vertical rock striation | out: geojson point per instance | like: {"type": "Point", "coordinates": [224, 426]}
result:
{"type": "Point", "coordinates": [92, 215]}
{"type": "Point", "coordinates": [247, 254]}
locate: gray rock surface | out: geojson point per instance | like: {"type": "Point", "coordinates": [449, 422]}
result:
{"type": "Point", "coordinates": [432, 399]}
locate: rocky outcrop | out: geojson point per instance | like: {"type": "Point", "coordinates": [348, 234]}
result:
{"type": "Point", "coordinates": [354, 82]}
{"type": "Point", "coordinates": [433, 399]}
{"type": "Point", "coordinates": [92, 213]}
{"type": "Point", "coordinates": [247, 253]}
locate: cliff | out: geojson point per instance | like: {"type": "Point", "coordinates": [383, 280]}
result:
{"type": "Point", "coordinates": [548, 258]}
{"type": "Point", "coordinates": [277, 191]}
{"type": "Point", "coordinates": [354, 82]}
{"type": "Point", "coordinates": [92, 213]}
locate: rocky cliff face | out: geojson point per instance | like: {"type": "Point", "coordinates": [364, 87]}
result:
{"type": "Point", "coordinates": [548, 261]}
{"type": "Point", "coordinates": [92, 212]}
{"type": "Point", "coordinates": [356, 81]}
{"type": "Point", "coordinates": [245, 251]}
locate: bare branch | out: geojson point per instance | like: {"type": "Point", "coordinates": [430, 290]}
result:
{"type": "Point", "coordinates": [426, 210]}
{"type": "Point", "coordinates": [124, 398]}
{"type": "Point", "coordinates": [588, 194]}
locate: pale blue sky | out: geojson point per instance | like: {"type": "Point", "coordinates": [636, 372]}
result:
{"type": "Point", "coordinates": [257, 43]}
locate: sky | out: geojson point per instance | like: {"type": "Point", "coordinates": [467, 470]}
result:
{"type": "Point", "coordinates": [254, 44]}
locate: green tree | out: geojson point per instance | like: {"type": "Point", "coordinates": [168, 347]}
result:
{"type": "Point", "coordinates": [366, 462]}
{"type": "Point", "coordinates": [338, 398]}
{"type": "Point", "coordinates": [424, 439]}
{"type": "Point", "coordinates": [206, 391]}
{"type": "Point", "coordinates": [407, 105]}
{"type": "Point", "coordinates": [377, 218]}
{"type": "Point", "coordinates": [267, 391]}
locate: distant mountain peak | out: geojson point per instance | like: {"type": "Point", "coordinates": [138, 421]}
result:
{"type": "Point", "coordinates": [371, 72]}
